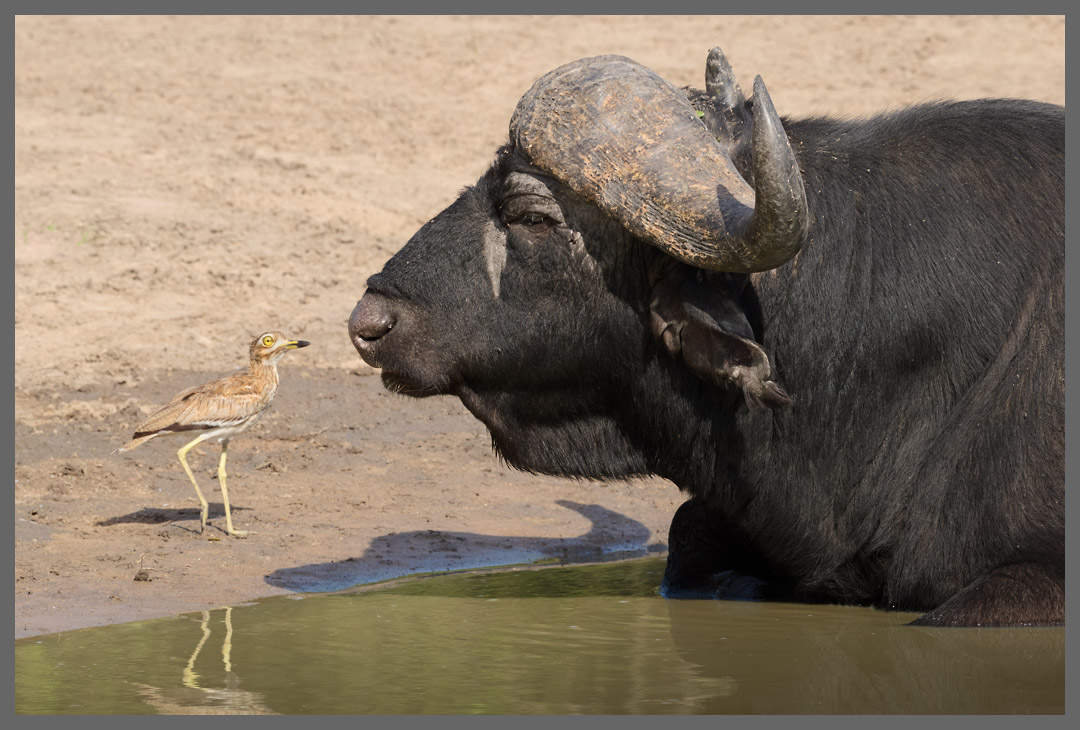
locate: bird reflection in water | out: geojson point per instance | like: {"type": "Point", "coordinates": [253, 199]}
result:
{"type": "Point", "coordinates": [192, 698]}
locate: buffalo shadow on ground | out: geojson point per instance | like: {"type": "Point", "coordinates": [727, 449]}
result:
{"type": "Point", "coordinates": [611, 536]}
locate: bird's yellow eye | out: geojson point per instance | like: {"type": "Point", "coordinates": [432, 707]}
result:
{"type": "Point", "coordinates": [267, 341]}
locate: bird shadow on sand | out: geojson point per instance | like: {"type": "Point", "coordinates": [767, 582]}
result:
{"type": "Point", "coordinates": [184, 518]}
{"type": "Point", "coordinates": [612, 536]}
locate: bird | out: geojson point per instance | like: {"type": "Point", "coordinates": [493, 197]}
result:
{"type": "Point", "coordinates": [220, 410]}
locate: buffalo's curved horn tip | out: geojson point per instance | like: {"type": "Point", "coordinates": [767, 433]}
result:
{"type": "Point", "coordinates": [781, 215]}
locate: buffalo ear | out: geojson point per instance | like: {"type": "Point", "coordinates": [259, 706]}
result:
{"type": "Point", "coordinates": [710, 333]}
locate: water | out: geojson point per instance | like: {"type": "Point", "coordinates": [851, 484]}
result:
{"type": "Point", "coordinates": [588, 639]}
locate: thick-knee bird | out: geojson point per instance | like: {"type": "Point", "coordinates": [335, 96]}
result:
{"type": "Point", "coordinates": [220, 410]}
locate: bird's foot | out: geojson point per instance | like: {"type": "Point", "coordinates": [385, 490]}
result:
{"type": "Point", "coordinates": [241, 533]}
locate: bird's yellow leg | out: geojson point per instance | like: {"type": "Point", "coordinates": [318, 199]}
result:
{"type": "Point", "coordinates": [225, 493]}
{"type": "Point", "coordinates": [204, 506]}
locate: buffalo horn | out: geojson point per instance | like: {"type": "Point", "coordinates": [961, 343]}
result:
{"type": "Point", "coordinates": [631, 143]}
{"type": "Point", "coordinates": [720, 81]}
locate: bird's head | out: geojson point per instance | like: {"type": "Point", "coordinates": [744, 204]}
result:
{"type": "Point", "coordinates": [270, 346]}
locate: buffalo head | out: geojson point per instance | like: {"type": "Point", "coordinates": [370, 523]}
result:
{"type": "Point", "coordinates": [609, 241]}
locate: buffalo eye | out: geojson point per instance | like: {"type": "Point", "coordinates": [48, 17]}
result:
{"type": "Point", "coordinates": [532, 211]}
{"type": "Point", "coordinates": [532, 220]}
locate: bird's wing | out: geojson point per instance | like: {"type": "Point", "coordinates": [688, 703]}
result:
{"type": "Point", "coordinates": [219, 409]}
{"type": "Point", "coordinates": [225, 402]}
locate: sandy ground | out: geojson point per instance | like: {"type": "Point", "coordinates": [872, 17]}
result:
{"type": "Point", "coordinates": [182, 184]}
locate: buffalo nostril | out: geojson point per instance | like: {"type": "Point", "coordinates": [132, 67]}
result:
{"type": "Point", "coordinates": [371, 319]}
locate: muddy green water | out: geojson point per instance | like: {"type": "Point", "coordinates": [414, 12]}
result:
{"type": "Point", "coordinates": [588, 639]}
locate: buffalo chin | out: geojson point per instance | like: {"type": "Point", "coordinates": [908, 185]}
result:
{"type": "Point", "coordinates": [403, 385]}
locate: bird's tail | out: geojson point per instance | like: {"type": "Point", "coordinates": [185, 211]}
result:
{"type": "Point", "coordinates": [135, 442]}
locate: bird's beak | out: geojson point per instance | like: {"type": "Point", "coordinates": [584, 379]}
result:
{"type": "Point", "coordinates": [296, 344]}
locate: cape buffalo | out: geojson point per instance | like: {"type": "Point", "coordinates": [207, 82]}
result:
{"type": "Point", "coordinates": [844, 339]}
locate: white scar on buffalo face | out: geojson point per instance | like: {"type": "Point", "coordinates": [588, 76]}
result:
{"type": "Point", "coordinates": [494, 255]}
